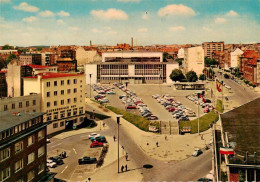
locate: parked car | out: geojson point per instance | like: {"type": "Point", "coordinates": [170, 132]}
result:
{"type": "Point", "coordinates": [152, 117]}
{"type": "Point", "coordinates": [111, 92]}
{"type": "Point", "coordinates": [93, 135]}
{"type": "Point", "coordinates": [104, 100]}
{"type": "Point", "coordinates": [204, 180]}
{"type": "Point", "coordinates": [171, 109]}
{"type": "Point", "coordinates": [100, 138]}
{"type": "Point", "coordinates": [96, 144]}
{"type": "Point", "coordinates": [197, 152]}
{"type": "Point", "coordinates": [130, 106]}
{"type": "Point", "coordinates": [87, 160]}
{"type": "Point", "coordinates": [57, 160]}
{"type": "Point", "coordinates": [206, 110]}
{"type": "Point", "coordinates": [51, 164]}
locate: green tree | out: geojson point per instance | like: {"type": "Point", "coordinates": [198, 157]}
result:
{"type": "Point", "coordinates": [7, 47]}
{"type": "Point", "coordinates": [10, 57]}
{"type": "Point", "coordinates": [176, 75]}
{"type": "Point", "coordinates": [202, 77]}
{"type": "Point", "coordinates": [38, 48]}
{"type": "Point", "coordinates": [191, 76]}
{"type": "Point", "coordinates": [208, 62]}
{"type": "Point", "coordinates": [179, 60]}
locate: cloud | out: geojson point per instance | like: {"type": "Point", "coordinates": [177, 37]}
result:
{"type": "Point", "coordinates": [177, 28]}
{"type": "Point", "coordinates": [74, 28]}
{"type": "Point", "coordinates": [232, 13]}
{"type": "Point", "coordinates": [63, 13]}
{"type": "Point", "coordinates": [174, 9]}
{"type": "Point", "coordinates": [4, 1]}
{"type": "Point", "coordinates": [220, 20]}
{"type": "Point", "coordinates": [107, 28]}
{"type": "Point", "coordinates": [60, 21]}
{"type": "Point", "coordinates": [145, 16]}
{"type": "Point", "coordinates": [95, 30]}
{"type": "Point", "coordinates": [46, 13]}
{"type": "Point", "coordinates": [126, 1]}
{"type": "Point", "coordinates": [142, 30]}
{"type": "Point", "coordinates": [110, 14]}
{"type": "Point", "coordinates": [23, 6]}
{"type": "Point", "coordinates": [29, 19]}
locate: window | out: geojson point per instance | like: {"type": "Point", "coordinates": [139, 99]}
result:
{"type": "Point", "coordinates": [20, 104]}
{"type": "Point", "coordinates": [41, 168]}
{"type": "Point", "coordinates": [61, 123]}
{"type": "Point", "coordinates": [68, 82]}
{"type": "Point", "coordinates": [5, 107]}
{"type": "Point", "coordinates": [55, 103]}
{"type": "Point", "coordinates": [34, 102]}
{"type": "Point", "coordinates": [48, 104]}
{"type": "Point", "coordinates": [41, 135]}
{"type": "Point", "coordinates": [48, 116]}
{"type": "Point", "coordinates": [27, 103]}
{"type": "Point", "coordinates": [48, 84]}
{"type": "Point", "coordinates": [31, 140]}
{"type": "Point", "coordinates": [55, 83]}
{"type": "Point", "coordinates": [41, 151]}
{"type": "Point", "coordinates": [5, 154]}
{"type": "Point", "coordinates": [68, 91]}
{"type": "Point", "coordinates": [18, 165]}
{"type": "Point", "coordinates": [13, 106]}
{"type": "Point", "coordinates": [31, 157]}
{"type": "Point", "coordinates": [55, 125]}
{"type": "Point", "coordinates": [75, 100]}
{"type": "Point", "coordinates": [68, 101]}
{"type": "Point", "coordinates": [48, 94]}
{"type": "Point", "coordinates": [75, 90]}
{"type": "Point", "coordinates": [62, 114]}
{"type": "Point", "coordinates": [62, 92]}
{"type": "Point", "coordinates": [80, 110]}
{"type": "Point", "coordinates": [75, 111]}
{"type": "Point", "coordinates": [62, 102]}
{"type": "Point", "coordinates": [75, 81]}
{"type": "Point", "coordinates": [62, 82]}
{"type": "Point", "coordinates": [55, 93]}
{"type": "Point", "coordinates": [30, 175]}
{"type": "Point", "coordinates": [18, 147]}
{"type": "Point", "coordinates": [5, 174]}
{"type": "Point", "coordinates": [69, 112]}
{"type": "Point", "coordinates": [55, 115]}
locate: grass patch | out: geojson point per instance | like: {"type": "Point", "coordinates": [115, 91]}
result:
{"type": "Point", "coordinates": [205, 121]}
{"type": "Point", "coordinates": [97, 115]}
{"type": "Point", "coordinates": [136, 120]}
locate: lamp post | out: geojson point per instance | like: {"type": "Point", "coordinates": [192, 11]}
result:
{"type": "Point", "coordinates": [90, 85]}
{"type": "Point", "coordinates": [118, 122]}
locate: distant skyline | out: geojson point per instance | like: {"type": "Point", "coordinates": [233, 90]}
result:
{"type": "Point", "coordinates": [76, 22]}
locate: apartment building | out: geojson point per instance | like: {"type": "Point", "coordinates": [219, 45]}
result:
{"type": "Point", "coordinates": [219, 57]}
{"type": "Point", "coordinates": [66, 65]}
{"type": "Point", "coordinates": [193, 60]}
{"type": "Point", "coordinates": [30, 59]}
{"type": "Point", "coordinates": [22, 147]}
{"type": "Point", "coordinates": [209, 47]}
{"type": "Point", "coordinates": [28, 103]}
{"type": "Point", "coordinates": [62, 98]}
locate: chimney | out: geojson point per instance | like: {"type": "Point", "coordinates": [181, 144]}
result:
{"type": "Point", "coordinates": [132, 42]}
{"type": "Point", "coordinates": [90, 43]}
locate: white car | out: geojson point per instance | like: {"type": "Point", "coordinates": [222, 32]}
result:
{"type": "Point", "coordinates": [93, 135]}
{"type": "Point", "coordinates": [51, 164]}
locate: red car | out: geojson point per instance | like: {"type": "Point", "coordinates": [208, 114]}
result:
{"type": "Point", "coordinates": [171, 109]}
{"type": "Point", "coordinates": [96, 144]}
{"type": "Point", "coordinates": [131, 107]}
{"type": "Point", "coordinates": [138, 102]}
{"type": "Point", "coordinates": [206, 110]}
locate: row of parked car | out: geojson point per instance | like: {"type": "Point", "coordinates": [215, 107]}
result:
{"type": "Point", "coordinates": [179, 111]}
{"type": "Point", "coordinates": [102, 90]}
{"type": "Point", "coordinates": [132, 101]}
{"type": "Point", "coordinates": [206, 104]}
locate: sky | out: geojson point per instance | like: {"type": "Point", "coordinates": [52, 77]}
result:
{"type": "Point", "coordinates": [108, 22]}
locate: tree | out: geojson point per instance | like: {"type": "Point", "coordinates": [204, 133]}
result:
{"type": "Point", "coordinates": [179, 60]}
{"type": "Point", "coordinates": [7, 47]}
{"type": "Point", "coordinates": [191, 76]}
{"type": "Point", "coordinates": [176, 75]}
{"type": "Point", "coordinates": [202, 77]}
{"type": "Point", "coordinates": [38, 48]}
{"type": "Point", "coordinates": [166, 55]}
{"type": "Point", "coordinates": [10, 58]}
{"type": "Point", "coordinates": [208, 61]}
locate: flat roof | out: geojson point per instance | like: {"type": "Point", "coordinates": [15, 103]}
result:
{"type": "Point", "coordinates": [9, 120]}
{"type": "Point", "coordinates": [131, 63]}
{"type": "Point", "coordinates": [135, 51]}
{"type": "Point", "coordinates": [53, 75]}
{"type": "Point", "coordinates": [243, 127]}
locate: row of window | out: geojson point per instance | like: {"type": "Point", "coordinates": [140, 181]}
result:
{"type": "Point", "coordinates": [55, 83]}
{"type": "Point", "coordinates": [27, 104]}
{"type": "Point", "coordinates": [55, 103]}
{"type": "Point", "coordinates": [55, 93]}
{"type": "Point", "coordinates": [55, 115]}
{"type": "Point", "coordinates": [56, 125]}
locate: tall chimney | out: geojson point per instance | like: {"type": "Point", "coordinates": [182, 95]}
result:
{"type": "Point", "coordinates": [90, 43]}
{"type": "Point", "coordinates": [132, 42]}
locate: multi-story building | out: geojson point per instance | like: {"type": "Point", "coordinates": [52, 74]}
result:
{"type": "Point", "coordinates": [68, 53]}
{"type": "Point", "coordinates": [181, 53]}
{"type": "Point", "coordinates": [235, 57]}
{"type": "Point", "coordinates": [62, 98]}
{"type": "Point", "coordinates": [86, 56]}
{"type": "Point", "coordinates": [30, 59]}
{"type": "Point", "coordinates": [193, 60]}
{"type": "Point", "coordinates": [250, 66]}
{"type": "Point", "coordinates": [28, 103]}
{"type": "Point", "coordinates": [3, 84]}
{"type": "Point", "coordinates": [219, 57]}
{"type": "Point", "coordinates": [66, 65]}
{"type": "Point", "coordinates": [22, 147]}
{"type": "Point", "coordinates": [130, 66]}
{"type": "Point", "coordinates": [209, 47]}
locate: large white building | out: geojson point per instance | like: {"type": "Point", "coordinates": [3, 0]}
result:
{"type": "Point", "coordinates": [83, 57]}
{"type": "Point", "coordinates": [193, 60]}
{"type": "Point", "coordinates": [130, 66]}
{"type": "Point", "coordinates": [235, 57]}
{"type": "Point", "coordinates": [62, 98]}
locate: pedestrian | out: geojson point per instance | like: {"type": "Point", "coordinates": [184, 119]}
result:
{"type": "Point", "coordinates": [114, 138]}
{"type": "Point", "coordinates": [126, 156]}
{"type": "Point", "coordinates": [103, 124]}
{"type": "Point", "coordinates": [165, 137]}
{"type": "Point", "coordinates": [122, 168]}
{"type": "Point", "coordinates": [157, 144]}
{"type": "Point", "coordinates": [126, 167]}
{"type": "Point", "coordinates": [65, 154]}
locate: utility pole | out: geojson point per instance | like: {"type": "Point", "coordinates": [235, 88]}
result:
{"type": "Point", "coordinates": [118, 122]}
{"type": "Point", "coordinates": [90, 86]}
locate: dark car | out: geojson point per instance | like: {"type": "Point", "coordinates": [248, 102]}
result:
{"type": "Point", "coordinates": [204, 180]}
{"type": "Point", "coordinates": [57, 159]}
{"type": "Point", "coordinates": [100, 138]}
{"type": "Point", "coordinates": [152, 117]}
{"type": "Point", "coordinates": [98, 97]}
{"type": "Point", "coordinates": [87, 160]}
{"type": "Point", "coordinates": [226, 76]}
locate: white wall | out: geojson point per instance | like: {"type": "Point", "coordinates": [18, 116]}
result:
{"type": "Point", "coordinates": [13, 79]}
{"type": "Point", "coordinates": [181, 53]}
{"type": "Point", "coordinates": [169, 68]}
{"type": "Point", "coordinates": [91, 69]}
{"type": "Point", "coordinates": [235, 57]}
{"type": "Point", "coordinates": [131, 70]}
{"type": "Point", "coordinates": [129, 54]}
{"type": "Point", "coordinates": [83, 57]}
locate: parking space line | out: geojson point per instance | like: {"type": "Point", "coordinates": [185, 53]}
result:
{"type": "Point", "coordinates": [64, 169]}
{"type": "Point", "coordinates": [75, 151]}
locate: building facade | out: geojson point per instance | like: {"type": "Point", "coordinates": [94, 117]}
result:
{"type": "Point", "coordinates": [219, 57]}
{"type": "Point", "coordinates": [66, 65]}
{"type": "Point", "coordinates": [30, 59]}
{"type": "Point", "coordinates": [193, 60]}
{"type": "Point", "coordinates": [209, 47]}
{"type": "Point", "coordinates": [235, 57]}
{"type": "Point", "coordinates": [132, 67]}
{"type": "Point", "coordinates": [23, 149]}
{"type": "Point", "coordinates": [3, 84]}
{"type": "Point", "coordinates": [85, 56]}
{"type": "Point", "coordinates": [62, 98]}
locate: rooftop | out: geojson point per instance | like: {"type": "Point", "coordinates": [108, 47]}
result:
{"type": "Point", "coordinates": [54, 75]}
{"type": "Point", "coordinates": [5, 71]}
{"type": "Point", "coordinates": [9, 120]}
{"type": "Point", "coordinates": [38, 66]}
{"type": "Point", "coordinates": [243, 127]}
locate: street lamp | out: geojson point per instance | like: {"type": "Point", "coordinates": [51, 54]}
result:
{"type": "Point", "coordinates": [90, 85]}
{"type": "Point", "coordinates": [118, 122]}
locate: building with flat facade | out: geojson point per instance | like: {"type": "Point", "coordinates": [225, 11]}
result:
{"type": "Point", "coordinates": [130, 66]}
{"type": "Point", "coordinates": [235, 57]}
{"type": "Point", "coordinates": [85, 56]}
{"type": "Point", "coordinates": [209, 47]}
{"type": "Point", "coordinates": [62, 98]}
{"type": "Point", "coordinates": [193, 60]}
{"type": "Point", "coordinates": [23, 150]}
{"type": "Point", "coordinates": [30, 59]}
